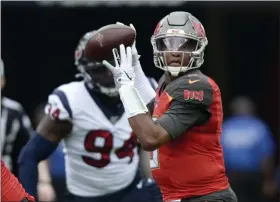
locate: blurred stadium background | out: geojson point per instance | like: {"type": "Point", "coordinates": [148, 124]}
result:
{"type": "Point", "coordinates": [38, 40]}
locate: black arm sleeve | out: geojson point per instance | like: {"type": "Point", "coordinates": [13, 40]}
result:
{"type": "Point", "coordinates": [23, 137]}
{"type": "Point", "coordinates": [188, 108]}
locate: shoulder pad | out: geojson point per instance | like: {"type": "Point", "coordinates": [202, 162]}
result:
{"type": "Point", "coordinates": [55, 108]}
{"type": "Point", "coordinates": [58, 106]}
{"type": "Point", "coordinates": [191, 89]}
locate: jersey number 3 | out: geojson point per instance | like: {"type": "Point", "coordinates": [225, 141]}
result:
{"type": "Point", "coordinates": [91, 145]}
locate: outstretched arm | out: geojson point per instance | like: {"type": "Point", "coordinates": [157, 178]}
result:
{"type": "Point", "coordinates": [55, 126]}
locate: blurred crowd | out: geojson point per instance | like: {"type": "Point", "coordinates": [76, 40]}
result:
{"type": "Point", "coordinates": [249, 152]}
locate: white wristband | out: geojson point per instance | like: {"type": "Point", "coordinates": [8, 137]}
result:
{"type": "Point", "coordinates": [143, 85]}
{"type": "Point", "coordinates": [132, 102]}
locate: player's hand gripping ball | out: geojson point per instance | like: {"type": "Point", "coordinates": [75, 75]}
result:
{"type": "Point", "coordinates": [135, 56]}
{"type": "Point", "coordinates": [123, 71]}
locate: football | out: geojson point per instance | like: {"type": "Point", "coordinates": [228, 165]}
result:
{"type": "Point", "coordinates": [100, 46]}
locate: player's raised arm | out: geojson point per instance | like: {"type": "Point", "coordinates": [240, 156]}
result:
{"type": "Point", "coordinates": [135, 94]}
{"type": "Point", "coordinates": [154, 134]}
{"type": "Point", "coordinates": [184, 111]}
{"type": "Point", "coordinates": [55, 126]}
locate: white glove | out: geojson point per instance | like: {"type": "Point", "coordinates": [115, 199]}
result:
{"type": "Point", "coordinates": [135, 56]}
{"type": "Point", "coordinates": [124, 76]}
{"type": "Point", "coordinates": [141, 82]}
{"type": "Point", "coordinates": [123, 71]}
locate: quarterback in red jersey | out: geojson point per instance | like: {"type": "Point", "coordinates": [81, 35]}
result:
{"type": "Point", "coordinates": [183, 126]}
{"type": "Point", "coordinates": [11, 189]}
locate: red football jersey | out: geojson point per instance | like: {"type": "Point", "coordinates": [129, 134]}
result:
{"type": "Point", "coordinates": [11, 189]}
{"type": "Point", "coordinates": [192, 163]}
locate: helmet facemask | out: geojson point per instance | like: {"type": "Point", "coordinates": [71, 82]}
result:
{"type": "Point", "coordinates": [94, 73]}
{"type": "Point", "coordinates": [98, 77]}
{"type": "Point", "coordinates": [179, 33]}
{"type": "Point", "coordinates": [179, 45]}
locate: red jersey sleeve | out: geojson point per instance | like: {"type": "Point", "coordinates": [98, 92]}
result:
{"type": "Point", "coordinates": [11, 189]}
{"type": "Point", "coordinates": [190, 101]}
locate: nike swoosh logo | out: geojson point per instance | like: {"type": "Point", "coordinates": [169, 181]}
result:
{"type": "Point", "coordinates": [127, 76]}
{"type": "Point", "coordinates": [193, 81]}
